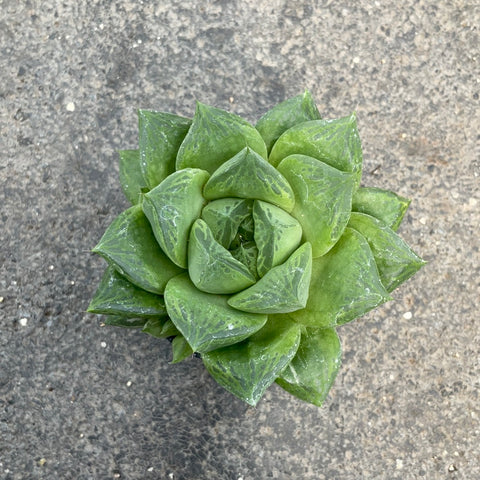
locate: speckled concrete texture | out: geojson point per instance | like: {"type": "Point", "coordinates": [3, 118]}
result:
{"type": "Point", "coordinates": [81, 401]}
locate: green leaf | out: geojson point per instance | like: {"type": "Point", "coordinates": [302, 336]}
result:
{"type": "Point", "coordinates": [212, 267]}
{"type": "Point", "coordinates": [224, 216]}
{"type": "Point", "coordinates": [312, 371]}
{"type": "Point", "coordinates": [160, 328]}
{"type": "Point", "coordinates": [248, 175]}
{"type": "Point", "coordinates": [247, 253]}
{"type": "Point", "coordinates": [248, 368]}
{"type": "Point", "coordinates": [160, 136]}
{"type": "Point", "coordinates": [180, 349]}
{"type": "Point", "coordinates": [171, 209]}
{"type": "Point", "coordinates": [277, 235]}
{"type": "Point", "coordinates": [116, 295]}
{"type": "Point", "coordinates": [125, 322]}
{"type": "Point", "coordinates": [131, 175]}
{"type": "Point", "coordinates": [385, 205]}
{"type": "Point", "coordinates": [396, 262]}
{"type": "Point", "coordinates": [285, 115]}
{"type": "Point", "coordinates": [334, 142]}
{"type": "Point", "coordinates": [205, 320]}
{"type": "Point", "coordinates": [323, 199]}
{"type": "Point", "coordinates": [283, 289]}
{"type": "Point", "coordinates": [345, 284]}
{"type": "Point", "coordinates": [130, 246]}
{"type": "Point", "coordinates": [215, 137]}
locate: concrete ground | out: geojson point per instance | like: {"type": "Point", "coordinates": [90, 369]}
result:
{"type": "Point", "coordinates": [81, 401]}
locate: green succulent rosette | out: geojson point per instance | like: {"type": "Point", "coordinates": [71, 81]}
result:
{"type": "Point", "coordinates": [249, 245]}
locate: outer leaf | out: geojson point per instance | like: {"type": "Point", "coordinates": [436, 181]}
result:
{"type": "Point", "coordinates": [335, 142]}
{"type": "Point", "coordinates": [181, 349]}
{"type": "Point", "coordinates": [172, 207]}
{"type": "Point", "coordinates": [285, 115]}
{"type": "Point", "coordinates": [205, 320]}
{"type": "Point", "coordinates": [277, 235]}
{"type": "Point", "coordinates": [345, 284]}
{"type": "Point", "coordinates": [224, 216]}
{"type": "Point", "coordinates": [248, 368]}
{"type": "Point", "coordinates": [312, 371]}
{"type": "Point", "coordinates": [160, 137]}
{"type": "Point", "coordinates": [129, 245]}
{"type": "Point", "coordinates": [159, 328]}
{"type": "Point", "coordinates": [215, 137]}
{"type": "Point", "coordinates": [248, 175]}
{"type": "Point", "coordinates": [323, 197]}
{"type": "Point", "coordinates": [283, 289]}
{"type": "Point", "coordinates": [116, 295]}
{"type": "Point", "coordinates": [382, 204]}
{"type": "Point", "coordinates": [131, 175]}
{"type": "Point", "coordinates": [395, 260]}
{"type": "Point", "coordinates": [125, 322]}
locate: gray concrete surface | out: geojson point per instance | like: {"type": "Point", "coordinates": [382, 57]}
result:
{"type": "Point", "coordinates": [78, 401]}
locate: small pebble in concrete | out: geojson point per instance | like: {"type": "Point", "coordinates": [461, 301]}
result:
{"type": "Point", "coordinates": [70, 107]}
{"type": "Point", "coordinates": [23, 322]}
{"type": "Point", "coordinates": [407, 315]}
{"type": "Point", "coordinates": [103, 344]}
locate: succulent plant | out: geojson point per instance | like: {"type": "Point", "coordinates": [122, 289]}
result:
{"type": "Point", "coordinates": [249, 245]}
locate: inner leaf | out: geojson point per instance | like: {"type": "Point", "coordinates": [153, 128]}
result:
{"type": "Point", "coordinates": [224, 217]}
{"type": "Point", "coordinates": [212, 267]}
{"type": "Point", "coordinates": [277, 235]}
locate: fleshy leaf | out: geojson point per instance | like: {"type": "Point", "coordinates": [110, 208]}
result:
{"type": "Point", "coordinates": [131, 176]}
{"type": "Point", "coordinates": [395, 260]}
{"type": "Point", "coordinates": [247, 253]}
{"type": "Point", "coordinates": [160, 328]}
{"type": "Point", "coordinates": [160, 136]}
{"type": "Point", "coordinates": [385, 205]}
{"type": "Point", "coordinates": [215, 137]}
{"type": "Point", "coordinates": [248, 175]}
{"type": "Point", "coordinates": [205, 320]}
{"type": "Point", "coordinates": [212, 267]}
{"type": "Point", "coordinates": [285, 115]}
{"type": "Point", "coordinates": [180, 349]}
{"type": "Point", "coordinates": [248, 368]}
{"type": "Point", "coordinates": [334, 142]}
{"type": "Point", "coordinates": [224, 216]}
{"type": "Point", "coordinates": [125, 322]}
{"type": "Point", "coordinates": [116, 295]}
{"type": "Point", "coordinates": [323, 198]}
{"type": "Point", "coordinates": [283, 289]}
{"type": "Point", "coordinates": [345, 284]}
{"type": "Point", "coordinates": [277, 235]}
{"type": "Point", "coordinates": [312, 371]}
{"type": "Point", "coordinates": [171, 209]}
{"type": "Point", "coordinates": [130, 246]}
